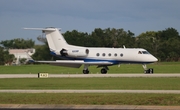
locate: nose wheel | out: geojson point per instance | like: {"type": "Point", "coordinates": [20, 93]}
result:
{"type": "Point", "coordinates": [147, 70]}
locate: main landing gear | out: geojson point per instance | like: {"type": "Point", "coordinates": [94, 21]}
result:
{"type": "Point", "coordinates": [147, 70]}
{"type": "Point", "coordinates": [103, 70]}
{"type": "Point", "coordinates": [86, 71]}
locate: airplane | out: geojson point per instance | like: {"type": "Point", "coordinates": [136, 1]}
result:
{"type": "Point", "coordinates": [75, 56]}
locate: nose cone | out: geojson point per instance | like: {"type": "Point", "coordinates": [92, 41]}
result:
{"type": "Point", "coordinates": [151, 59]}
{"type": "Point", "coordinates": [154, 59]}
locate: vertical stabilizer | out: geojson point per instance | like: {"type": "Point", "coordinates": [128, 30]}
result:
{"type": "Point", "coordinates": [55, 39]}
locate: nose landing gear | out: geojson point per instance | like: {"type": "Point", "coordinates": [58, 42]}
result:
{"type": "Point", "coordinates": [147, 70]}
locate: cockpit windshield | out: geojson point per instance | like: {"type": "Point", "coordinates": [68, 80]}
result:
{"type": "Point", "coordinates": [143, 52]}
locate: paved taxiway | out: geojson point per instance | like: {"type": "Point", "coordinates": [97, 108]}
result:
{"type": "Point", "coordinates": [87, 75]}
{"type": "Point", "coordinates": [84, 107]}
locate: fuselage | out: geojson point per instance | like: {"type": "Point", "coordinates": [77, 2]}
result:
{"type": "Point", "coordinates": [102, 57]}
{"type": "Point", "coordinates": [114, 55]}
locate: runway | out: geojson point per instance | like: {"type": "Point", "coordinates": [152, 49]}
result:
{"type": "Point", "coordinates": [87, 75]}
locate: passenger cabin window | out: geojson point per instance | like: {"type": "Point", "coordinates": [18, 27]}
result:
{"type": "Point", "coordinates": [121, 55]}
{"type": "Point", "coordinates": [115, 54]}
{"type": "Point", "coordinates": [103, 54]}
{"type": "Point", "coordinates": [109, 54]}
{"type": "Point", "coordinates": [97, 54]}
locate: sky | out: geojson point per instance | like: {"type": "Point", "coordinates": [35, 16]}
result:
{"type": "Point", "coordinates": [138, 16]}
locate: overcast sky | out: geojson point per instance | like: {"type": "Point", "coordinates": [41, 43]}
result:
{"type": "Point", "coordinates": [85, 15]}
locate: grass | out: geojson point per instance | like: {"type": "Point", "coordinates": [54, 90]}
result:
{"type": "Point", "coordinates": [172, 83]}
{"type": "Point", "coordinates": [163, 67]}
{"type": "Point", "coordinates": [92, 83]}
{"type": "Point", "coordinates": [90, 99]}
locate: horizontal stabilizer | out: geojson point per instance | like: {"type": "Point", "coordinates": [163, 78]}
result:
{"type": "Point", "coordinates": [42, 29]}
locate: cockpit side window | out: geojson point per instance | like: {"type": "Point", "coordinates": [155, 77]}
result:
{"type": "Point", "coordinates": [145, 52]}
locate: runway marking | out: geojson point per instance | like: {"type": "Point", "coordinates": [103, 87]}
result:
{"type": "Point", "coordinates": [92, 91]}
{"type": "Point", "coordinates": [87, 75]}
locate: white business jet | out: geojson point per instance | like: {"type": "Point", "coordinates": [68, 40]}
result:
{"type": "Point", "coordinates": [75, 56]}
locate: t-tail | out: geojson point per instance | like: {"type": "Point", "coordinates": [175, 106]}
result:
{"type": "Point", "coordinates": [54, 38]}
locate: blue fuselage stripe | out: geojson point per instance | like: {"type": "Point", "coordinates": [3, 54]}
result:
{"type": "Point", "coordinates": [98, 60]}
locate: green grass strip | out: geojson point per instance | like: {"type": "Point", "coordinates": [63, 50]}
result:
{"type": "Point", "coordinates": [164, 67]}
{"type": "Point", "coordinates": [172, 83]}
{"type": "Point", "coordinates": [90, 99]}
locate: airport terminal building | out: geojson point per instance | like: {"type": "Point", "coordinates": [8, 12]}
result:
{"type": "Point", "coordinates": [21, 54]}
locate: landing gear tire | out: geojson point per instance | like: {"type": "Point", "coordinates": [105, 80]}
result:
{"type": "Point", "coordinates": [103, 71]}
{"type": "Point", "coordinates": [86, 71]}
{"type": "Point", "coordinates": [149, 71]}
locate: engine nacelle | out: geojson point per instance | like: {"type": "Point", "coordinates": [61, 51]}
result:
{"type": "Point", "coordinates": [57, 52]}
{"type": "Point", "coordinates": [77, 52]}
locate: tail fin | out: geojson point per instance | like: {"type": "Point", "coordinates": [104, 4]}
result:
{"type": "Point", "coordinates": [54, 38]}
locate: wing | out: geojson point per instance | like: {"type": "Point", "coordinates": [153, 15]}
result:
{"type": "Point", "coordinates": [73, 63]}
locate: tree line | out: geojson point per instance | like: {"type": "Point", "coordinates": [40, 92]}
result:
{"type": "Point", "coordinates": [162, 44]}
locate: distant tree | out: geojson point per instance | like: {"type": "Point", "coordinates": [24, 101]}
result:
{"type": "Point", "coordinates": [168, 33]}
{"type": "Point", "coordinates": [169, 45]}
{"type": "Point", "coordinates": [22, 60]}
{"type": "Point", "coordinates": [163, 44]}
{"type": "Point", "coordinates": [75, 38]}
{"type": "Point", "coordinates": [98, 36]}
{"type": "Point", "coordinates": [2, 56]}
{"type": "Point", "coordinates": [42, 53]}
{"type": "Point", "coordinates": [5, 58]}
{"type": "Point", "coordinates": [148, 40]}
{"type": "Point", "coordinates": [18, 43]}
{"type": "Point", "coordinates": [112, 37]}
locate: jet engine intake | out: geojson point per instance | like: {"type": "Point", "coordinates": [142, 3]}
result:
{"type": "Point", "coordinates": [63, 52]}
